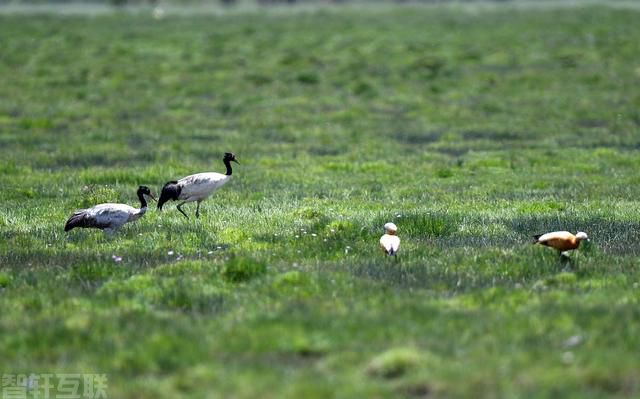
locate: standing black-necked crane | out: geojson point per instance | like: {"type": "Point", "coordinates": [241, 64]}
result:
{"type": "Point", "coordinates": [109, 217]}
{"type": "Point", "coordinates": [390, 242]}
{"type": "Point", "coordinates": [196, 187]}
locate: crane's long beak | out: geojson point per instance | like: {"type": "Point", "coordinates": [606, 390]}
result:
{"type": "Point", "coordinates": [236, 161]}
{"type": "Point", "coordinates": [152, 197]}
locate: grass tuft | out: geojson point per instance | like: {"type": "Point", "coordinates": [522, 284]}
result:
{"type": "Point", "coordinates": [242, 268]}
{"type": "Point", "coordinates": [394, 363]}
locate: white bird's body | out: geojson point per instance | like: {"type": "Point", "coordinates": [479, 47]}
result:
{"type": "Point", "coordinates": [390, 242]}
{"type": "Point", "coordinates": [110, 216]}
{"type": "Point", "coordinates": [197, 187]}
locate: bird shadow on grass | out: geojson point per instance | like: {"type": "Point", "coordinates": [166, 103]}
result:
{"type": "Point", "coordinates": [453, 230]}
{"type": "Point", "coordinates": [422, 225]}
{"type": "Point", "coordinates": [449, 230]}
{"type": "Point", "coordinates": [42, 258]}
{"type": "Point", "coordinates": [609, 236]}
{"type": "Point", "coordinates": [413, 138]}
{"type": "Point", "coordinates": [445, 255]}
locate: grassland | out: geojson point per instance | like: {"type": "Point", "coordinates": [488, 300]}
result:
{"type": "Point", "coordinates": [471, 130]}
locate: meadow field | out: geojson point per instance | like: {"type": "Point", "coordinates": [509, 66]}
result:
{"type": "Point", "coordinates": [470, 128]}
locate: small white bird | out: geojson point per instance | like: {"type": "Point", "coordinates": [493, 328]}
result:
{"type": "Point", "coordinates": [109, 217]}
{"type": "Point", "coordinates": [196, 187]}
{"type": "Point", "coordinates": [390, 242]}
{"type": "Point", "coordinates": [561, 240]}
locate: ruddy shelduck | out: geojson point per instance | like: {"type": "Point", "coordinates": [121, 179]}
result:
{"type": "Point", "coordinates": [390, 242]}
{"type": "Point", "coordinates": [561, 240]}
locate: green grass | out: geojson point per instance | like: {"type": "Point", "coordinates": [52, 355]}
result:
{"type": "Point", "coordinates": [471, 129]}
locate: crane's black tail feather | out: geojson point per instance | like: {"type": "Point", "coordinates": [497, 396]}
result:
{"type": "Point", "coordinates": [536, 237]}
{"type": "Point", "coordinates": [170, 191]}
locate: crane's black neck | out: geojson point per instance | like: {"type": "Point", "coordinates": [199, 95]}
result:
{"type": "Point", "coordinates": [143, 201]}
{"type": "Point", "coordinates": [227, 163]}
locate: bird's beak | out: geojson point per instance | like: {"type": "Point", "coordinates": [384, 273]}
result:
{"type": "Point", "coordinates": [152, 197]}
{"type": "Point", "coordinates": [236, 161]}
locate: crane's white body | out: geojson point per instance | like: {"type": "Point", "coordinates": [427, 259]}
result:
{"type": "Point", "coordinates": [390, 243]}
{"type": "Point", "coordinates": [200, 186]}
{"type": "Point", "coordinates": [110, 217]}
{"type": "Point", "coordinates": [196, 187]}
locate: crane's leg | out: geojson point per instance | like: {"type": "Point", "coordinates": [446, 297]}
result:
{"type": "Point", "coordinates": [180, 208]}
{"type": "Point", "coordinates": [198, 209]}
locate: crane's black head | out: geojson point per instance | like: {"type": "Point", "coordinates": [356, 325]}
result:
{"type": "Point", "coordinates": [144, 190]}
{"type": "Point", "coordinates": [229, 156]}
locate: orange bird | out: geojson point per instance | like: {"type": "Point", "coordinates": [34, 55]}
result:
{"type": "Point", "coordinates": [561, 240]}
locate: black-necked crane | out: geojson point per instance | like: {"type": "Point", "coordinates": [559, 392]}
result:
{"type": "Point", "coordinates": [196, 187]}
{"type": "Point", "coordinates": [109, 217]}
{"type": "Point", "coordinates": [561, 240]}
{"type": "Point", "coordinates": [390, 242]}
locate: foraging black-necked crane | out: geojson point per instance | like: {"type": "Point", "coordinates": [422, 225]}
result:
{"type": "Point", "coordinates": [390, 242]}
{"type": "Point", "coordinates": [196, 187]}
{"type": "Point", "coordinates": [561, 240]}
{"type": "Point", "coordinates": [109, 217]}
